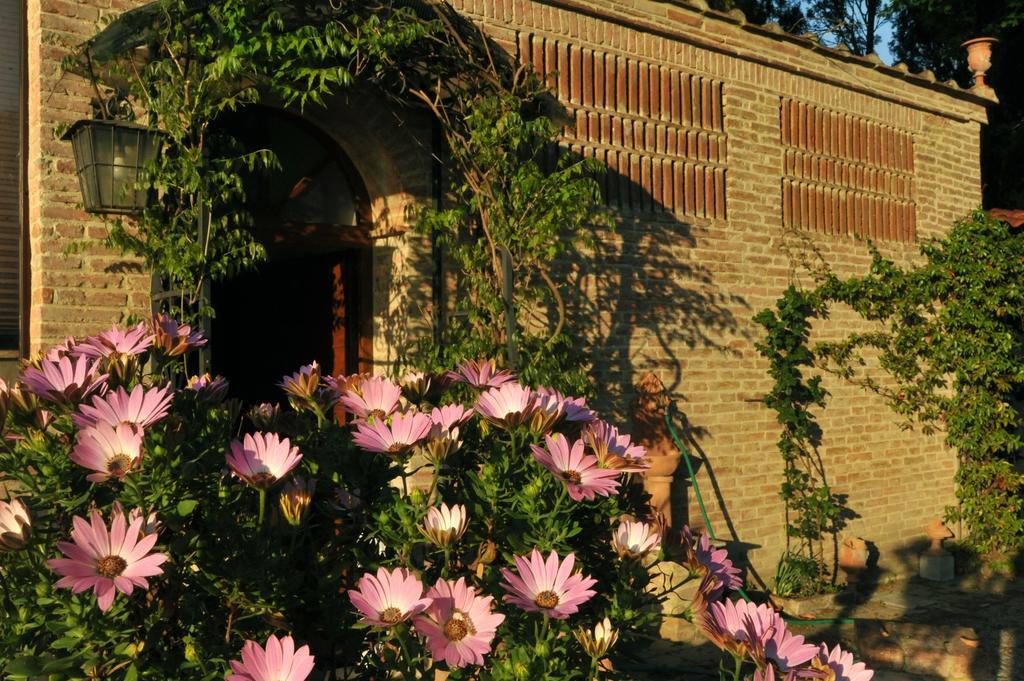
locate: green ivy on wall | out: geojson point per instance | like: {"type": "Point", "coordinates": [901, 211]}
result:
{"type": "Point", "coordinates": [949, 339]}
{"type": "Point", "coordinates": [204, 59]}
{"type": "Point", "coordinates": [812, 510]}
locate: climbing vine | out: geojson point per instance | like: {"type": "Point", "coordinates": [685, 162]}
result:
{"type": "Point", "coordinates": [204, 59]}
{"type": "Point", "coordinates": [812, 510]}
{"type": "Point", "coordinates": [950, 346]}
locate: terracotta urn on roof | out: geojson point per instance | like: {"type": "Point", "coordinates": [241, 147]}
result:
{"type": "Point", "coordinates": [979, 58]}
{"type": "Point", "coordinates": [647, 412]}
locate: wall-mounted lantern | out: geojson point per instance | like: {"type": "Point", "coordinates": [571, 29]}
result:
{"type": "Point", "coordinates": [110, 156]}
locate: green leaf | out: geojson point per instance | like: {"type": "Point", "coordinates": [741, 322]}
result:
{"type": "Point", "coordinates": [186, 506]}
{"type": "Point", "coordinates": [26, 666]}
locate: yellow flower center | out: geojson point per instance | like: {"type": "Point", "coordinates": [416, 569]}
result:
{"type": "Point", "coordinates": [263, 480]}
{"type": "Point", "coordinates": [391, 615]}
{"type": "Point", "coordinates": [546, 600]}
{"type": "Point", "coordinates": [111, 566]}
{"type": "Point", "coordinates": [456, 629]}
{"type": "Point", "coordinates": [572, 476]}
{"type": "Point", "coordinates": [119, 464]}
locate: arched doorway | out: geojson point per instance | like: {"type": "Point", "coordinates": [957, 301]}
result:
{"type": "Point", "coordinates": [312, 298]}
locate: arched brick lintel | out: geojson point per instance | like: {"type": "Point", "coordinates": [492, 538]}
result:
{"type": "Point", "coordinates": [389, 147]}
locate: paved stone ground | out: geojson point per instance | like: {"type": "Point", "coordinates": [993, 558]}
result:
{"type": "Point", "coordinates": [971, 629]}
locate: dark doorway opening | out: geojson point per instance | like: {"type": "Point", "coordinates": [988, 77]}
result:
{"type": "Point", "coordinates": [288, 313]}
{"type": "Point", "coordinates": [311, 300]}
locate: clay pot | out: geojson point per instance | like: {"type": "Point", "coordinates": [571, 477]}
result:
{"type": "Point", "coordinates": [979, 58]}
{"type": "Point", "coordinates": [937, 532]}
{"type": "Point", "coordinates": [853, 558]}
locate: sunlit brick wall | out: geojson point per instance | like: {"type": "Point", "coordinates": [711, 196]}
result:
{"type": "Point", "coordinates": [735, 152]}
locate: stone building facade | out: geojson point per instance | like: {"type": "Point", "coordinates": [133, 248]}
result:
{"type": "Point", "coordinates": [733, 151]}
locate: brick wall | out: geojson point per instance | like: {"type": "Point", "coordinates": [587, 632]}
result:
{"type": "Point", "coordinates": [734, 151]}
{"type": "Point", "coordinates": [70, 294]}
{"type": "Point", "coordinates": [815, 148]}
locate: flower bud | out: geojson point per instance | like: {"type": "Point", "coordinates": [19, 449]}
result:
{"type": "Point", "coordinates": [598, 642]}
{"type": "Point", "coordinates": [445, 525]}
{"type": "Point", "coordinates": [122, 369]}
{"type": "Point", "coordinates": [296, 497]}
{"type": "Point", "coordinates": [15, 525]}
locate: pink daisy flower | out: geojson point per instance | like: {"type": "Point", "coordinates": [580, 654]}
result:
{"type": "Point", "coordinates": [450, 416]}
{"type": "Point", "coordinates": [509, 406]}
{"type": "Point", "coordinates": [842, 665]}
{"type": "Point", "coordinates": [580, 473]}
{"type": "Point", "coordinates": [262, 459]}
{"type": "Point", "coordinates": [480, 374]}
{"type": "Point", "coordinates": [404, 432]}
{"type": "Point", "coordinates": [459, 625]}
{"type": "Point", "coordinates": [209, 389]}
{"type": "Point", "coordinates": [61, 349]}
{"type": "Point", "coordinates": [150, 523]}
{"type": "Point", "coordinates": [547, 585]}
{"type": "Point", "coordinates": [574, 409]}
{"type": "Point", "coordinates": [757, 632]}
{"type": "Point", "coordinates": [614, 451]}
{"type": "Point", "coordinates": [633, 539]}
{"type": "Point", "coordinates": [111, 451]}
{"type": "Point", "coordinates": [278, 661]}
{"type": "Point", "coordinates": [141, 407]}
{"type": "Point", "coordinates": [174, 339]}
{"type": "Point", "coordinates": [702, 557]}
{"type": "Point", "coordinates": [64, 381]}
{"type": "Point", "coordinates": [376, 398]}
{"type": "Point", "coordinates": [134, 341]}
{"type": "Point", "coordinates": [389, 597]}
{"type": "Point", "coordinates": [107, 561]}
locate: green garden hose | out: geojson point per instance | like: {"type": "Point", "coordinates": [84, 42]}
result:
{"type": "Point", "coordinates": [707, 521]}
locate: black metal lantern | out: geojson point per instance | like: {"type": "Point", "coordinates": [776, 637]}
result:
{"type": "Point", "coordinates": [109, 158]}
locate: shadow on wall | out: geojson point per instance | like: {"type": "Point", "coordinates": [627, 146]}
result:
{"type": "Point", "coordinates": [640, 301]}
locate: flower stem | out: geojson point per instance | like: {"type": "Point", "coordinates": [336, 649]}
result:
{"type": "Point", "coordinates": [410, 672]}
{"type": "Point", "coordinates": [263, 504]}
{"type": "Point", "coordinates": [738, 669]}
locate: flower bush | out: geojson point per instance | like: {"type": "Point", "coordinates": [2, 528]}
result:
{"type": "Point", "coordinates": [462, 523]}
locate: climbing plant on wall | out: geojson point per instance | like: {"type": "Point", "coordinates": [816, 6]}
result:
{"type": "Point", "coordinates": [950, 346]}
{"type": "Point", "coordinates": [203, 59]}
{"type": "Point", "coordinates": [812, 510]}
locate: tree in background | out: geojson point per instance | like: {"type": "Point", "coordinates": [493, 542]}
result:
{"type": "Point", "coordinates": [786, 13]}
{"type": "Point", "coordinates": [854, 23]}
{"type": "Point", "coordinates": [927, 35]}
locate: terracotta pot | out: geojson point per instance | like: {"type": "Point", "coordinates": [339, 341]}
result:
{"type": "Point", "coordinates": [853, 558]}
{"type": "Point", "coordinates": [979, 58]}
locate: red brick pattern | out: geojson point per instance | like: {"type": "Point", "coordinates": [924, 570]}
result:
{"type": "Point", "coordinates": [659, 130]}
{"type": "Point", "coordinates": [846, 175]}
